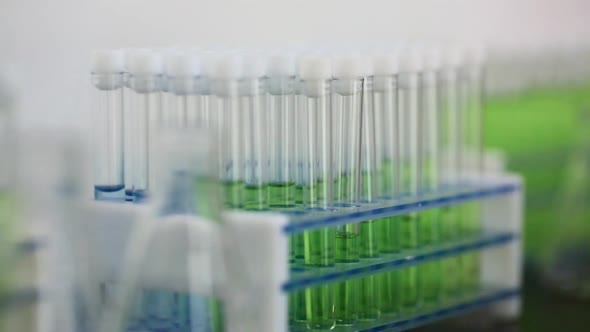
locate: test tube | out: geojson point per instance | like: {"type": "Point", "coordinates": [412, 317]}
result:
{"type": "Point", "coordinates": [429, 233]}
{"type": "Point", "coordinates": [472, 117]}
{"type": "Point", "coordinates": [347, 110]}
{"type": "Point", "coordinates": [227, 117]}
{"type": "Point", "coordinates": [184, 102]}
{"type": "Point", "coordinates": [450, 147]}
{"type": "Point", "coordinates": [107, 78]}
{"type": "Point", "coordinates": [386, 68]}
{"type": "Point", "coordinates": [281, 86]}
{"type": "Point", "coordinates": [252, 108]}
{"type": "Point", "coordinates": [370, 173]}
{"type": "Point", "coordinates": [144, 77]}
{"type": "Point", "coordinates": [411, 65]}
{"type": "Point", "coordinates": [315, 73]}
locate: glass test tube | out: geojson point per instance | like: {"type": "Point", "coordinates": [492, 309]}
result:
{"type": "Point", "coordinates": [410, 159]}
{"type": "Point", "coordinates": [227, 117]}
{"type": "Point", "coordinates": [386, 116]}
{"type": "Point", "coordinates": [315, 73]}
{"type": "Point", "coordinates": [107, 78]}
{"type": "Point", "coordinates": [252, 108]}
{"type": "Point", "coordinates": [450, 147]}
{"type": "Point", "coordinates": [145, 100]}
{"type": "Point", "coordinates": [347, 103]}
{"type": "Point", "coordinates": [429, 233]}
{"type": "Point", "coordinates": [183, 100]}
{"type": "Point", "coordinates": [370, 154]}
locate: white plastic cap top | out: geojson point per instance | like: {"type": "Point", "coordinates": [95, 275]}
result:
{"type": "Point", "coordinates": [385, 64]}
{"type": "Point", "coordinates": [207, 60]}
{"type": "Point", "coordinates": [314, 67]}
{"type": "Point", "coordinates": [475, 54]}
{"type": "Point", "coordinates": [367, 63]}
{"type": "Point", "coordinates": [108, 61]}
{"type": "Point", "coordinates": [348, 66]}
{"type": "Point", "coordinates": [144, 61]}
{"type": "Point", "coordinates": [227, 66]}
{"type": "Point", "coordinates": [253, 64]}
{"type": "Point", "coordinates": [411, 59]}
{"type": "Point", "coordinates": [281, 64]}
{"type": "Point", "coordinates": [183, 64]}
{"type": "Point", "coordinates": [432, 57]}
{"type": "Point", "coordinates": [454, 56]}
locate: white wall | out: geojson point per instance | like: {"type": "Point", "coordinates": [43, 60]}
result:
{"type": "Point", "coordinates": [47, 43]}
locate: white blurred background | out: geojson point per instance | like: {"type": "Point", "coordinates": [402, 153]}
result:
{"type": "Point", "coordinates": [46, 45]}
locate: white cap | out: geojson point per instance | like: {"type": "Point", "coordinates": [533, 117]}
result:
{"type": "Point", "coordinates": [108, 61]}
{"type": "Point", "coordinates": [144, 61]}
{"type": "Point", "coordinates": [348, 66]}
{"type": "Point", "coordinates": [433, 57]}
{"type": "Point", "coordinates": [475, 54]}
{"type": "Point", "coordinates": [281, 64]}
{"type": "Point", "coordinates": [454, 56]}
{"type": "Point", "coordinates": [411, 59]}
{"type": "Point", "coordinates": [385, 64]}
{"type": "Point", "coordinates": [314, 67]}
{"type": "Point", "coordinates": [253, 64]}
{"type": "Point", "coordinates": [226, 66]}
{"type": "Point", "coordinates": [184, 64]}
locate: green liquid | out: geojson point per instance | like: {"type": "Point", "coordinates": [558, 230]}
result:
{"type": "Point", "coordinates": [347, 292]}
{"type": "Point", "coordinates": [281, 195]}
{"type": "Point", "coordinates": [409, 292]}
{"type": "Point", "coordinates": [389, 242]}
{"type": "Point", "coordinates": [430, 273]}
{"type": "Point", "coordinates": [319, 252]}
{"type": "Point", "coordinates": [470, 225]}
{"type": "Point", "coordinates": [450, 266]}
{"type": "Point", "coordinates": [232, 193]}
{"type": "Point", "coordinates": [297, 312]}
{"type": "Point", "coordinates": [255, 198]}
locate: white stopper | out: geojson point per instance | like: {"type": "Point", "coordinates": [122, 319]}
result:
{"type": "Point", "coordinates": [253, 65]}
{"type": "Point", "coordinates": [348, 66]}
{"type": "Point", "coordinates": [411, 60]}
{"type": "Point", "coordinates": [183, 64]}
{"type": "Point", "coordinates": [144, 62]}
{"type": "Point", "coordinates": [227, 66]}
{"type": "Point", "coordinates": [385, 64]}
{"type": "Point", "coordinates": [281, 64]}
{"type": "Point", "coordinates": [314, 67]}
{"type": "Point", "coordinates": [108, 62]}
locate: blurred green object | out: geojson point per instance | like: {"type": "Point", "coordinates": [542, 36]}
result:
{"type": "Point", "coordinates": [545, 134]}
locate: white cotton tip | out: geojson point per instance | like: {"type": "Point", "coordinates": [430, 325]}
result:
{"type": "Point", "coordinates": [227, 67]}
{"type": "Point", "coordinates": [281, 64]}
{"type": "Point", "coordinates": [144, 62]}
{"type": "Point", "coordinates": [348, 66]}
{"type": "Point", "coordinates": [411, 59]}
{"type": "Point", "coordinates": [108, 61]}
{"type": "Point", "coordinates": [183, 64]}
{"type": "Point", "coordinates": [314, 67]}
{"type": "Point", "coordinates": [385, 64]}
{"type": "Point", "coordinates": [253, 64]}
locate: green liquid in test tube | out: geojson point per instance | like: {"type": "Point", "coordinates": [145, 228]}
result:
{"type": "Point", "coordinates": [316, 137]}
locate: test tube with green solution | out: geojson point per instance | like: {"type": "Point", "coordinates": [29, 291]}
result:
{"type": "Point", "coordinates": [411, 175]}
{"type": "Point", "coordinates": [228, 122]}
{"type": "Point", "coordinates": [346, 105]}
{"type": "Point", "coordinates": [252, 108]}
{"type": "Point", "coordinates": [386, 66]}
{"type": "Point", "coordinates": [315, 74]}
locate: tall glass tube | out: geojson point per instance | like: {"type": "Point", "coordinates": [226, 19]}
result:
{"type": "Point", "coordinates": [315, 72]}
{"type": "Point", "coordinates": [146, 101]}
{"type": "Point", "coordinates": [429, 233]}
{"type": "Point", "coordinates": [107, 78]}
{"type": "Point", "coordinates": [252, 107]}
{"type": "Point", "coordinates": [182, 82]}
{"type": "Point", "coordinates": [386, 117]}
{"type": "Point", "coordinates": [347, 103]}
{"type": "Point", "coordinates": [227, 117]}
{"type": "Point", "coordinates": [411, 175]}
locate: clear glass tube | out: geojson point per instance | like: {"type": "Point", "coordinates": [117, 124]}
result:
{"type": "Point", "coordinates": [108, 136]}
{"type": "Point", "coordinates": [317, 194]}
{"type": "Point", "coordinates": [146, 103]}
{"type": "Point", "coordinates": [411, 178]}
{"type": "Point", "coordinates": [128, 138]}
{"type": "Point", "coordinates": [281, 138]}
{"type": "Point", "coordinates": [386, 117]}
{"type": "Point", "coordinates": [183, 102]}
{"type": "Point", "coordinates": [254, 121]}
{"type": "Point", "coordinates": [228, 118]}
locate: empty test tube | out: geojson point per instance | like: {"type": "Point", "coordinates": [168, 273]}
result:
{"type": "Point", "coordinates": [252, 108]}
{"type": "Point", "coordinates": [386, 67]}
{"type": "Point", "coordinates": [182, 101]}
{"type": "Point", "coordinates": [411, 65]}
{"type": "Point", "coordinates": [144, 79]}
{"type": "Point", "coordinates": [315, 73]}
{"type": "Point", "coordinates": [107, 78]}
